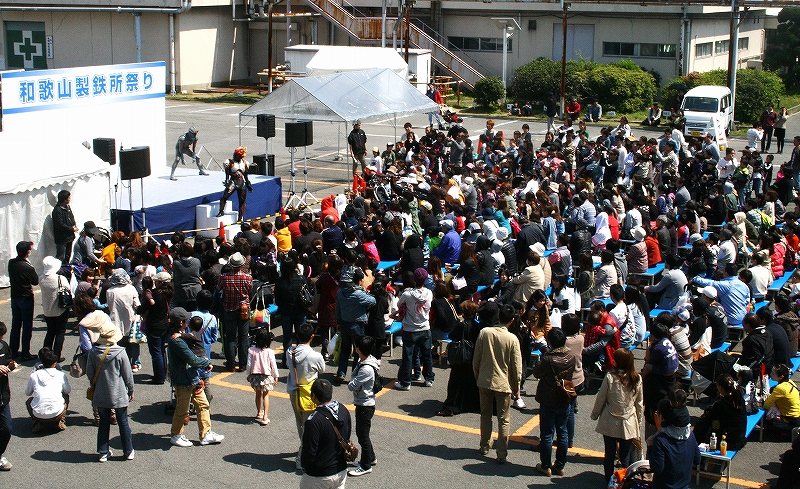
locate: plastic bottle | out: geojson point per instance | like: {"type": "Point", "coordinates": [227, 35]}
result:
{"type": "Point", "coordinates": [712, 442]}
{"type": "Point", "coordinates": [723, 446]}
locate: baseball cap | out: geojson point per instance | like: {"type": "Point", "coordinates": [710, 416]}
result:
{"type": "Point", "coordinates": [178, 314]}
{"type": "Point", "coordinates": [708, 291]}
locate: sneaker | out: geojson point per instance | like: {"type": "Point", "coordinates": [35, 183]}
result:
{"type": "Point", "coordinates": [104, 456]}
{"type": "Point", "coordinates": [340, 379]}
{"type": "Point", "coordinates": [598, 365]}
{"type": "Point", "coordinates": [417, 378]}
{"type": "Point", "coordinates": [5, 465]}
{"type": "Point", "coordinates": [556, 471]}
{"type": "Point", "coordinates": [62, 425]}
{"type": "Point", "coordinates": [401, 387]}
{"type": "Point", "coordinates": [358, 471]}
{"type": "Point", "coordinates": [544, 470]}
{"type": "Point", "coordinates": [523, 392]}
{"type": "Point", "coordinates": [202, 173]}
{"type": "Point", "coordinates": [519, 403]}
{"type": "Point", "coordinates": [428, 383]}
{"type": "Point", "coordinates": [211, 438]}
{"type": "Point", "coordinates": [180, 441]}
{"type": "Point", "coordinates": [173, 179]}
{"type": "Point", "coordinates": [136, 368]}
{"type": "Point", "coordinates": [131, 455]}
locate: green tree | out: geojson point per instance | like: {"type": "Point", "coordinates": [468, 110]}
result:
{"type": "Point", "coordinates": [489, 90]}
{"type": "Point", "coordinates": [783, 47]}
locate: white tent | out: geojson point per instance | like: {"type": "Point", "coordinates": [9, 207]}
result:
{"type": "Point", "coordinates": [344, 97]}
{"type": "Point", "coordinates": [34, 176]}
{"type": "Point", "coordinates": [337, 59]}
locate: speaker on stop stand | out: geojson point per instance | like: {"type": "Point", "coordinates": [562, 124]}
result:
{"type": "Point", "coordinates": [134, 162]}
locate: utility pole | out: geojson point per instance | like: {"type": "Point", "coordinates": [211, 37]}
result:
{"type": "Point", "coordinates": [733, 51]}
{"type": "Point", "coordinates": [564, 7]}
{"type": "Point", "coordinates": [409, 5]}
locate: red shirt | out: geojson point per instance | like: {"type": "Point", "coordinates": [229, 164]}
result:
{"type": "Point", "coordinates": [613, 226]}
{"type": "Point", "coordinates": [294, 228]}
{"type": "Point", "coordinates": [235, 287]}
{"type": "Point", "coordinates": [653, 251]}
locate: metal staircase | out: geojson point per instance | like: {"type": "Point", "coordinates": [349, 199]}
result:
{"type": "Point", "coordinates": [369, 29]}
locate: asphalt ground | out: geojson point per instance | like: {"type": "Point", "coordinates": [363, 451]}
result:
{"type": "Point", "coordinates": [414, 447]}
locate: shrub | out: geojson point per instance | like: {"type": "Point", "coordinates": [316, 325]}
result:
{"type": "Point", "coordinates": [755, 89]}
{"type": "Point", "coordinates": [488, 91]}
{"type": "Point", "coordinates": [626, 89]}
{"type": "Point", "coordinates": [536, 80]}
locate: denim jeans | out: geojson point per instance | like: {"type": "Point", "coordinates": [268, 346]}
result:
{"type": "Point", "coordinates": [104, 429]}
{"type": "Point", "coordinates": [21, 325]}
{"type": "Point", "coordinates": [573, 408]}
{"type": "Point", "coordinates": [56, 329]}
{"type": "Point", "coordinates": [156, 344]}
{"type": "Point", "coordinates": [553, 420]}
{"type": "Point", "coordinates": [349, 332]}
{"type": "Point", "coordinates": [364, 416]}
{"type": "Point", "coordinates": [6, 427]}
{"type": "Point", "coordinates": [422, 340]}
{"type": "Point", "coordinates": [237, 340]}
{"type": "Point", "coordinates": [64, 251]}
{"type": "Point", "coordinates": [290, 321]}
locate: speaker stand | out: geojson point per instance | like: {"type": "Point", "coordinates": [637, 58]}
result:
{"type": "Point", "coordinates": [305, 199]}
{"type": "Point", "coordinates": [130, 203]}
{"type": "Point", "coordinates": [211, 158]}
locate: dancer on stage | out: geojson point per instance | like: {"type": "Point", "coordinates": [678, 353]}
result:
{"type": "Point", "coordinates": [186, 145]}
{"type": "Point", "coordinates": [236, 179]}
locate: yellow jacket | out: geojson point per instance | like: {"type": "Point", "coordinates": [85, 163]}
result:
{"type": "Point", "coordinates": [284, 237]}
{"type": "Point", "coordinates": [787, 397]}
{"type": "Point", "coordinates": [497, 361]}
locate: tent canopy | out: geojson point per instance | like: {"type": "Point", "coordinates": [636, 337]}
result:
{"type": "Point", "coordinates": [28, 194]}
{"type": "Point", "coordinates": [336, 59]}
{"type": "Point", "coordinates": [344, 97]}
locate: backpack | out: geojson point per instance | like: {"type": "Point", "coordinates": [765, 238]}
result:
{"type": "Point", "coordinates": [377, 384]}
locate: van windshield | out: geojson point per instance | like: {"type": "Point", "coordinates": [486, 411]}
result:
{"type": "Point", "coordinates": [701, 104]}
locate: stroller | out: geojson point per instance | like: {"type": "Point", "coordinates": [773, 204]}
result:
{"type": "Point", "coordinates": [637, 476]}
{"type": "Point", "coordinates": [449, 116]}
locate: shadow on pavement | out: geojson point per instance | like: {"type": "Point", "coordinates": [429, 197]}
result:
{"type": "Point", "coordinates": [225, 418]}
{"type": "Point", "coordinates": [151, 414]}
{"type": "Point", "coordinates": [143, 442]}
{"type": "Point", "coordinates": [446, 453]}
{"type": "Point", "coordinates": [583, 479]}
{"type": "Point", "coordinates": [426, 409]}
{"type": "Point", "coordinates": [64, 456]}
{"type": "Point", "coordinates": [264, 462]}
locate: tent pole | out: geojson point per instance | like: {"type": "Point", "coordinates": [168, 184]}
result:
{"type": "Point", "coordinates": [338, 142]}
{"type": "Point", "coordinates": [240, 129]}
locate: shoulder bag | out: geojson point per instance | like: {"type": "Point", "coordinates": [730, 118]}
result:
{"type": "Point", "coordinates": [563, 386]}
{"type": "Point", "coordinates": [303, 402]}
{"type": "Point", "coordinates": [306, 297]}
{"type": "Point", "coordinates": [350, 449]}
{"type": "Point", "coordinates": [90, 390]}
{"type": "Point", "coordinates": [460, 352]}
{"type": "Point", "coordinates": [78, 366]}
{"type": "Point", "coordinates": [63, 295]}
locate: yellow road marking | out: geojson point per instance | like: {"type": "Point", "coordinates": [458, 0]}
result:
{"type": "Point", "coordinates": [519, 436]}
{"type": "Point", "coordinates": [5, 301]}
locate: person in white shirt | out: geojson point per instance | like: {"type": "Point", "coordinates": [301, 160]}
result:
{"type": "Point", "coordinates": [759, 275]}
{"type": "Point", "coordinates": [50, 390]}
{"type": "Point", "coordinates": [376, 160]}
{"type": "Point", "coordinates": [754, 135]}
{"type": "Point", "coordinates": [727, 249]}
{"type": "Point", "coordinates": [727, 165]}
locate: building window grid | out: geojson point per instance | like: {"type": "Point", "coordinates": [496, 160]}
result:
{"type": "Point", "coordinates": [744, 43]}
{"type": "Point", "coordinates": [639, 50]}
{"type": "Point", "coordinates": [703, 50]}
{"type": "Point", "coordinates": [484, 44]}
{"type": "Point", "coordinates": [722, 47]}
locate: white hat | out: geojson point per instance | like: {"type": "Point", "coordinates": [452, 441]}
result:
{"type": "Point", "coordinates": [695, 238]}
{"type": "Point", "coordinates": [708, 291]}
{"type": "Point", "coordinates": [538, 248]}
{"type": "Point", "coordinates": [427, 205]}
{"type": "Point", "coordinates": [468, 180]}
{"type": "Point", "coordinates": [501, 233]}
{"type": "Point", "coordinates": [447, 223]}
{"type": "Point", "coordinates": [375, 149]}
{"type": "Point", "coordinates": [639, 233]}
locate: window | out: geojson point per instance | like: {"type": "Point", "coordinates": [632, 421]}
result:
{"type": "Point", "coordinates": [25, 45]}
{"type": "Point", "coordinates": [639, 50]}
{"type": "Point", "coordinates": [488, 44]}
{"type": "Point", "coordinates": [744, 43]}
{"type": "Point", "coordinates": [703, 50]}
{"type": "Point", "coordinates": [722, 47]}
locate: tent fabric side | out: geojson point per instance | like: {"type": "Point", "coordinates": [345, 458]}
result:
{"type": "Point", "coordinates": [25, 215]}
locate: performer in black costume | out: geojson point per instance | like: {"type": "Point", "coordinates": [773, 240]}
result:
{"type": "Point", "coordinates": [236, 179]}
{"type": "Point", "coordinates": [186, 145]}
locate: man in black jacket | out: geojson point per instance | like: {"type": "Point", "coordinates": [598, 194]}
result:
{"type": "Point", "coordinates": [756, 346]}
{"type": "Point", "coordinates": [23, 277]}
{"type": "Point", "coordinates": [322, 455]}
{"type": "Point", "coordinates": [64, 227]}
{"type": "Point", "coordinates": [7, 365]}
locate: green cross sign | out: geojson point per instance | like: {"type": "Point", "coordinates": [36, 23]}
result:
{"type": "Point", "coordinates": [26, 48]}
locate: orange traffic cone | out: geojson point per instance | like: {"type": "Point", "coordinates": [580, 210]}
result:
{"type": "Point", "coordinates": [222, 231]}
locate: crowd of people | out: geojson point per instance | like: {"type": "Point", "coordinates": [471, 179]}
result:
{"type": "Point", "coordinates": [533, 260]}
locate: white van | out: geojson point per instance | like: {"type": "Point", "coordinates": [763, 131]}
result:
{"type": "Point", "coordinates": [707, 108]}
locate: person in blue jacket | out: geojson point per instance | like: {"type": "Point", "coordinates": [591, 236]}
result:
{"type": "Point", "coordinates": [450, 247]}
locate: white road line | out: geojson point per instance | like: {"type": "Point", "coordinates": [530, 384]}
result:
{"type": "Point", "coordinates": [182, 105]}
{"type": "Point", "coordinates": [176, 122]}
{"type": "Point", "coordinates": [212, 108]}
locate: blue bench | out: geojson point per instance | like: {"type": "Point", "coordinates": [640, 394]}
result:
{"type": "Point", "coordinates": [655, 312]}
{"type": "Point", "coordinates": [644, 340]}
{"type": "Point", "coordinates": [547, 253]}
{"type": "Point", "coordinates": [723, 348]}
{"type": "Point", "coordinates": [753, 421]}
{"type": "Point", "coordinates": [759, 305]}
{"type": "Point", "coordinates": [795, 367]}
{"type": "Point", "coordinates": [392, 330]}
{"type": "Point", "coordinates": [652, 272]}
{"type": "Point", "coordinates": [778, 283]}
{"type": "Point", "coordinates": [385, 265]}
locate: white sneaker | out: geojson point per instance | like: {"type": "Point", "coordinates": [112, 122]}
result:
{"type": "Point", "coordinates": [104, 456]}
{"type": "Point", "coordinates": [358, 471]}
{"type": "Point", "coordinates": [180, 441]}
{"type": "Point", "coordinates": [211, 438]}
{"type": "Point", "coordinates": [519, 403]}
{"type": "Point", "coordinates": [401, 387]}
{"type": "Point", "coordinates": [5, 465]}
{"type": "Point", "coordinates": [131, 455]}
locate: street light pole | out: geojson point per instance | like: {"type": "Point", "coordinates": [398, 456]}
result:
{"type": "Point", "coordinates": [565, 7]}
{"type": "Point", "coordinates": [507, 25]}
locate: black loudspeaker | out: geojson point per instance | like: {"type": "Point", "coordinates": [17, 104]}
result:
{"type": "Point", "coordinates": [263, 165]}
{"type": "Point", "coordinates": [105, 149]}
{"type": "Point", "coordinates": [299, 134]}
{"type": "Point", "coordinates": [265, 126]}
{"type": "Point", "coordinates": [134, 162]}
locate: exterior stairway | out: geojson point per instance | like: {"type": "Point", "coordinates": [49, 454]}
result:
{"type": "Point", "coordinates": [369, 29]}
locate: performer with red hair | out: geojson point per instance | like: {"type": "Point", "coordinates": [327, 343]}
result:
{"type": "Point", "coordinates": [236, 179]}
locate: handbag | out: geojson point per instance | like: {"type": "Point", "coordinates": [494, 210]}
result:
{"type": "Point", "coordinates": [563, 386]}
{"type": "Point", "coordinates": [244, 311]}
{"type": "Point", "coordinates": [63, 296]}
{"type": "Point", "coordinates": [303, 402]}
{"type": "Point", "coordinates": [78, 366]}
{"type": "Point", "coordinates": [306, 297]}
{"type": "Point", "coordinates": [460, 352]}
{"type": "Point", "coordinates": [459, 282]}
{"type": "Point", "coordinates": [350, 448]}
{"type": "Point", "coordinates": [90, 390]}
{"type": "Point", "coordinates": [259, 317]}
{"type": "Point", "coordinates": [135, 334]}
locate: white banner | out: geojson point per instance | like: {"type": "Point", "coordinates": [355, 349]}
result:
{"type": "Point", "coordinates": [28, 91]}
